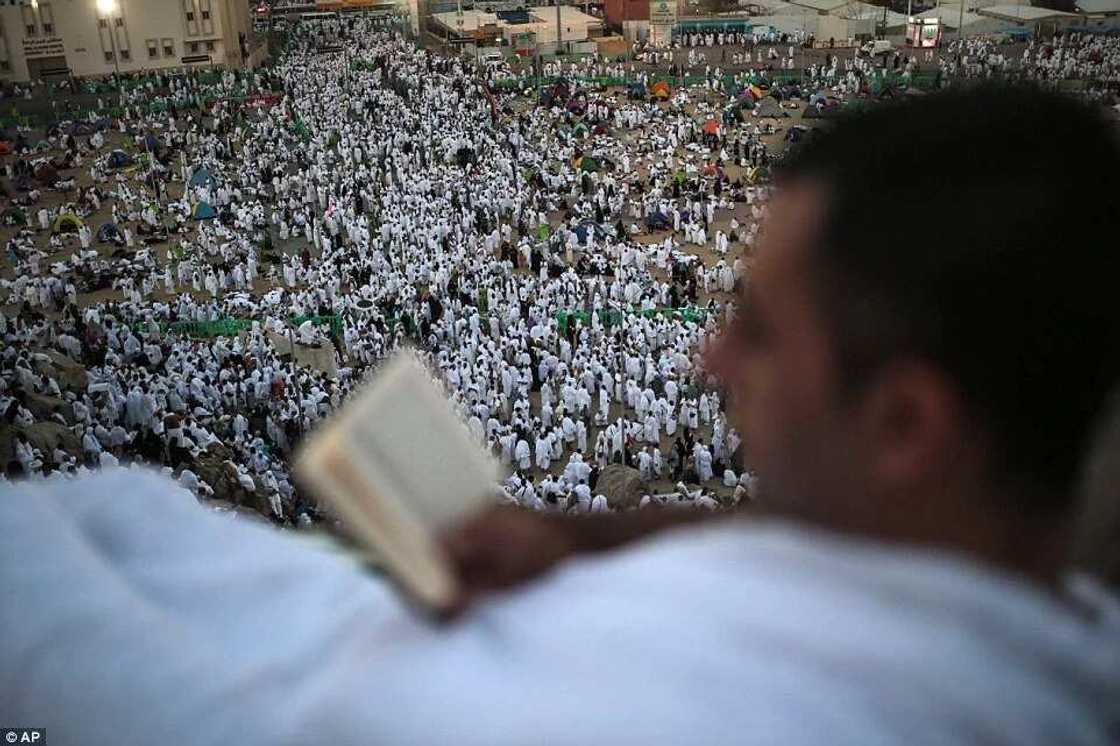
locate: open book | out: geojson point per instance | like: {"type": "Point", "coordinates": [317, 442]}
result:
{"type": "Point", "coordinates": [398, 466]}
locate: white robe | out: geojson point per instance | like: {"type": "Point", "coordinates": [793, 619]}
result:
{"type": "Point", "coordinates": [782, 604]}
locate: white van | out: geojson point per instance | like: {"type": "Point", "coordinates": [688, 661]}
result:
{"type": "Point", "coordinates": [491, 57]}
{"type": "Point", "coordinates": [877, 47]}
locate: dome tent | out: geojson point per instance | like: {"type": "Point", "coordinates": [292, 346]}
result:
{"type": "Point", "coordinates": [67, 222]}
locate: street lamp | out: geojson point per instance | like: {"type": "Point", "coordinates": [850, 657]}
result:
{"type": "Point", "coordinates": [106, 8]}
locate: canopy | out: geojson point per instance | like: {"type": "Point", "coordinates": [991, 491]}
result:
{"type": "Point", "coordinates": [66, 222]}
{"type": "Point", "coordinates": [202, 177]}
{"type": "Point", "coordinates": [108, 232]}
{"type": "Point", "coordinates": [660, 90]}
{"type": "Point", "coordinates": [203, 211]}
{"type": "Point", "coordinates": [711, 127]}
{"type": "Point", "coordinates": [119, 159]}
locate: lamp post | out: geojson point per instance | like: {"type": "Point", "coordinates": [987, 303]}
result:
{"type": "Point", "coordinates": [106, 8]}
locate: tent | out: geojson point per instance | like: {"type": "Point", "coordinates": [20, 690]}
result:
{"type": "Point", "coordinates": [768, 107]}
{"type": "Point", "coordinates": [711, 127]}
{"type": "Point", "coordinates": [203, 211]}
{"type": "Point", "coordinates": [202, 177]}
{"type": "Point", "coordinates": [109, 232]}
{"type": "Point", "coordinates": [796, 133]}
{"type": "Point", "coordinates": [820, 112]}
{"type": "Point", "coordinates": [13, 216]}
{"type": "Point", "coordinates": [660, 91]}
{"type": "Point", "coordinates": [658, 221]}
{"type": "Point", "coordinates": [119, 159]}
{"type": "Point", "coordinates": [66, 222]}
{"type": "Point", "coordinates": [589, 163]}
{"type": "Point", "coordinates": [46, 174]}
{"type": "Point", "coordinates": [588, 228]}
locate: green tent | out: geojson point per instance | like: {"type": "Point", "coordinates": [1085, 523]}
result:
{"type": "Point", "coordinates": [13, 216]}
{"type": "Point", "coordinates": [204, 211]}
{"type": "Point", "coordinates": [588, 163]}
{"type": "Point", "coordinates": [67, 222]}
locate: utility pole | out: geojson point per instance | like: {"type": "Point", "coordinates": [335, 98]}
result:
{"type": "Point", "coordinates": [558, 30]}
{"type": "Point", "coordinates": [960, 22]}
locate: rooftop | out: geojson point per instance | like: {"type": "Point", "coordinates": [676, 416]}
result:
{"type": "Point", "coordinates": [1099, 6]}
{"type": "Point", "coordinates": [1022, 13]}
{"type": "Point", "coordinates": [822, 6]}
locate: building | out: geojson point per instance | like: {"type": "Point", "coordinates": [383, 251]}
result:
{"type": "Point", "coordinates": [532, 29]}
{"type": "Point", "coordinates": [620, 11]}
{"type": "Point", "coordinates": [1041, 21]}
{"type": "Point", "coordinates": [45, 39]}
{"type": "Point", "coordinates": [1100, 14]}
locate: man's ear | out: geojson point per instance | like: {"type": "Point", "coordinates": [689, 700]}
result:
{"type": "Point", "coordinates": [912, 420]}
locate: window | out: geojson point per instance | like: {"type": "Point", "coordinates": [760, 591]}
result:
{"type": "Point", "coordinates": [205, 15]}
{"type": "Point", "coordinates": [5, 65]}
{"type": "Point", "coordinates": [108, 56]}
{"type": "Point", "coordinates": [125, 54]}
{"type": "Point", "coordinates": [193, 47]}
{"type": "Point", "coordinates": [153, 49]}
{"type": "Point", "coordinates": [31, 29]}
{"type": "Point", "coordinates": [168, 48]}
{"type": "Point", "coordinates": [103, 23]}
{"type": "Point", "coordinates": [119, 21]}
{"type": "Point", "coordinates": [48, 28]}
{"type": "Point", "coordinates": [190, 15]}
{"type": "Point", "coordinates": [209, 46]}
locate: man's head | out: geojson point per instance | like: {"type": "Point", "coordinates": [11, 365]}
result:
{"type": "Point", "coordinates": [930, 329]}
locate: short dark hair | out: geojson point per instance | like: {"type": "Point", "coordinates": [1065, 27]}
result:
{"type": "Point", "coordinates": [977, 229]}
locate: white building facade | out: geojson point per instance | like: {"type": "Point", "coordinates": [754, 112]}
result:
{"type": "Point", "coordinates": [47, 39]}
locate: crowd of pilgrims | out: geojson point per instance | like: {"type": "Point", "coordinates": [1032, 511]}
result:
{"type": "Point", "coordinates": [418, 213]}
